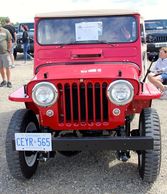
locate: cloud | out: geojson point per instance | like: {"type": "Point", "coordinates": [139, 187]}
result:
{"type": "Point", "coordinates": [19, 10]}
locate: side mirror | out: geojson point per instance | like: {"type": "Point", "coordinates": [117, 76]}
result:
{"type": "Point", "coordinates": [152, 56]}
{"type": "Point", "coordinates": [143, 39]}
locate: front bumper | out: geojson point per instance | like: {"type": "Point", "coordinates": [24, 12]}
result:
{"type": "Point", "coordinates": [102, 143]}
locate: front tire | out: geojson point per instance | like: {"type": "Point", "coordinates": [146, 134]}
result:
{"type": "Point", "coordinates": [22, 164]}
{"type": "Point", "coordinates": [149, 161]}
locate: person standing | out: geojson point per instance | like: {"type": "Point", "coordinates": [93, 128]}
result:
{"type": "Point", "coordinates": [12, 30]}
{"type": "Point", "coordinates": [5, 48]}
{"type": "Point", "coordinates": [25, 39]}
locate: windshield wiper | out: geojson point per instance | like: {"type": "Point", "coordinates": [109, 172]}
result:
{"type": "Point", "coordinates": [103, 42]}
{"type": "Point", "coordinates": [88, 42]}
{"type": "Point", "coordinates": [69, 43]}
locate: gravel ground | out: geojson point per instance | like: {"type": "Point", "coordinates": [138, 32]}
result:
{"type": "Point", "coordinates": [86, 173]}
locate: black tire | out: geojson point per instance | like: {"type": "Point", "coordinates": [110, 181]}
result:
{"type": "Point", "coordinates": [22, 164]}
{"type": "Point", "coordinates": [149, 161]}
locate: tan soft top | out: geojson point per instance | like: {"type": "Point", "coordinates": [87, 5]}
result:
{"type": "Point", "coordinates": [78, 13]}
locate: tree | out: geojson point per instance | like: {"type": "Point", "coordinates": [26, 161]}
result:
{"type": "Point", "coordinates": [2, 20]}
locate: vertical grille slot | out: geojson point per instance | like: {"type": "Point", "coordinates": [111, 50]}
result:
{"type": "Point", "coordinates": [75, 101]}
{"type": "Point", "coordinates": [82, 102]}
{"type": "Point", "coordinates": [97, 102]}
{"type": "Point", "coordinates": [105, 102]}
{"type": "Point", "coordinates": [60, 104]}
{"type": "Point", "coordinates": [90, 101]}
{"type": "Point", "coordinates": [67, 102]}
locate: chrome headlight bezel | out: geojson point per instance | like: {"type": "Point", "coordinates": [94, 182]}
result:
{"type": "Point", "coordinates": [124, 85]}
{"type": "Point", "coordinates": [45, 85]}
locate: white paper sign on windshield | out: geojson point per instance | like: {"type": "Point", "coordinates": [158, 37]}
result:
{"type": "Point", "coordinates": [86, 31]}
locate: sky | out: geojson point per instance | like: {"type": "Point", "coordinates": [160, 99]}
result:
{"type": "Point", "coordinates": [21, 11]}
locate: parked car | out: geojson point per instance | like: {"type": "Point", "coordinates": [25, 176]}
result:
{"type": "Point", "coordinates": [156, 34]}
{"type": "Point", "coordinates": [16, 28]}
{"type": "Point", "coordinates": [19, 46]}
{"type": "Point", "coordinates": [86, 89]}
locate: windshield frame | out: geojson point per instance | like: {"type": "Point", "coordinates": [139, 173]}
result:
{"type": "Point", "coordinates": [162, 26]}
{"type": "Point", "coordinates": [90, 19]}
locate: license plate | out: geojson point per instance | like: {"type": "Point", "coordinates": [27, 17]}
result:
{"type": "Point", "coordinates": [163, 44]}
{"type": "Point", "coordinates": [33, 142]}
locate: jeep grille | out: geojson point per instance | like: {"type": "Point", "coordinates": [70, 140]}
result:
{"type": "Point", "coordinates": [156, 38]}
{"type": "Point", "coordinates": [161, 39]}
{"type": "Point", "coordinates": [82, 102]}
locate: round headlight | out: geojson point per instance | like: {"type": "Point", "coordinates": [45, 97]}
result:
{"type": "Point", "coordinates": [44, 94]}
{"type": "Point", "coordinates": [120, 92]}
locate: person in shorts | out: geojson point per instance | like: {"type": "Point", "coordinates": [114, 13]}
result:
{"type": "Point", "coordinates": [158, 75]}
{"type": "Point", "coordinates": [9, 26]}
{"type": "Point", "coordinates": [5, 48]}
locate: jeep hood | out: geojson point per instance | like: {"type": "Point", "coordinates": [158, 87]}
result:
{"type": "Point", "coordinates": [93, 71]}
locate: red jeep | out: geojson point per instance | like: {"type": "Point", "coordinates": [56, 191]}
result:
{"type": "Point", "coordinates": [87, 87]}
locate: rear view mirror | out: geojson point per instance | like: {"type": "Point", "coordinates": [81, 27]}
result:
{"type": "Point", "coordinates": [152, 56]}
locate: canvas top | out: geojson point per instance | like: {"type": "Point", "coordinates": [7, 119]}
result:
{"type": "Point", "coordinates": [80, 13]}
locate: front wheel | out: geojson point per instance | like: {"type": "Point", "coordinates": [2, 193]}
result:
{"type": "Point", "coordinates": [149, 161]}
{"type": "Point", "coordinates": [22, 164]}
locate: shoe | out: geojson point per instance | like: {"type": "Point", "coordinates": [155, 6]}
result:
{"type": "Point", "coordinates": [12, 66]}
{"type": "Point", "coordinates": [9, 84]}
{"type": "Point", "coordinates": [3, 83]}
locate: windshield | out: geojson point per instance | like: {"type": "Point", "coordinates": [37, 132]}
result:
{"type": "Point", "coordinates": [85, 30]}
{"type": "Point", "coordinates": [155, 24]}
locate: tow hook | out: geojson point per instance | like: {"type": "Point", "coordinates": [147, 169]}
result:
{"type": "Point", "coordinates": [44, 156]}
{"type": "Point", "coordinates": [123, 155]}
